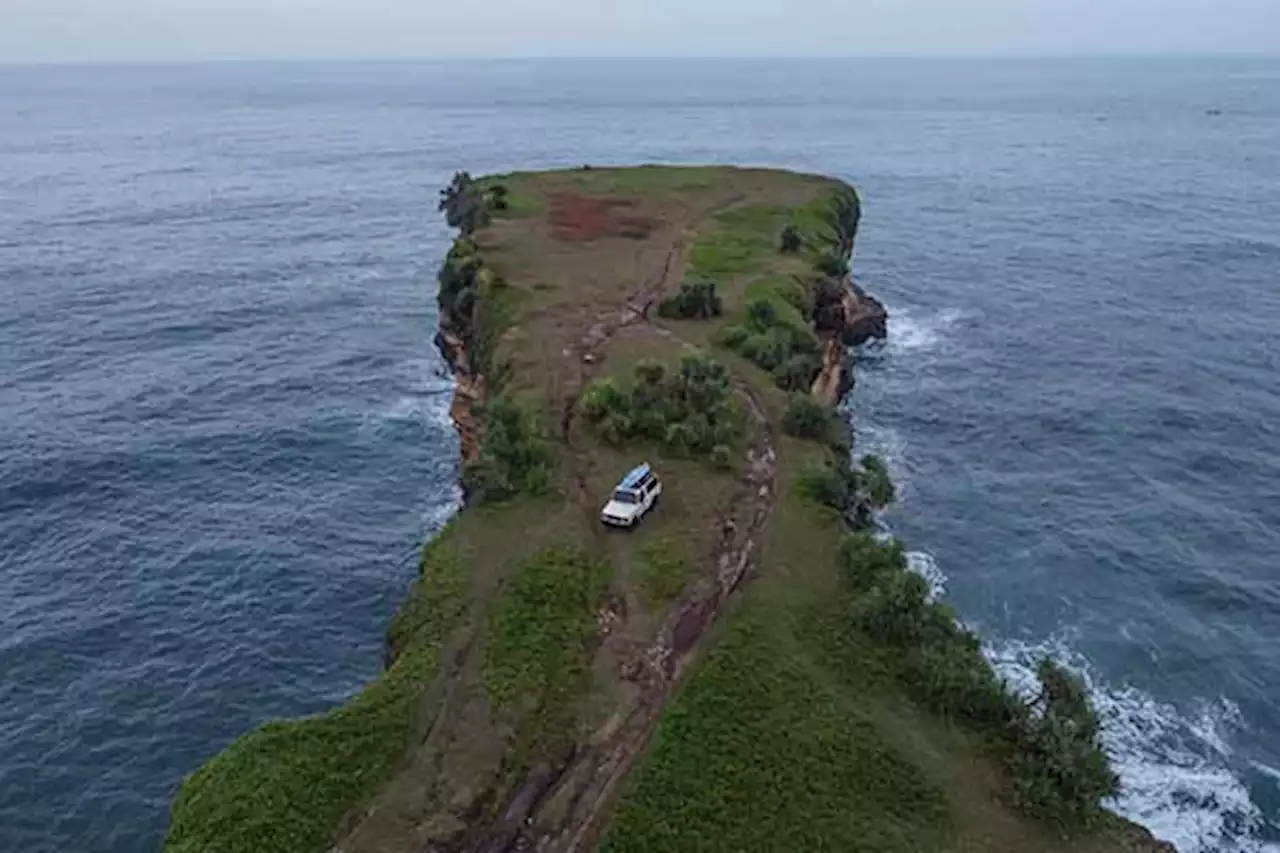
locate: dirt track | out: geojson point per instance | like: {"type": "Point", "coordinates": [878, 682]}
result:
{"type": "Point", "coordinates": [564, 807]}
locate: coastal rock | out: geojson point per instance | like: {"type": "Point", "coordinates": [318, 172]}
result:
{"type": "Point", "coordinates": [865, 317]}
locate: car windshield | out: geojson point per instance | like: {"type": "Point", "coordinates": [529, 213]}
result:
{"type": "Point", "coordinates": [624, 497]}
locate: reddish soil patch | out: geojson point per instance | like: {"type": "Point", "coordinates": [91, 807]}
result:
{"type": "Point", "coordinates": [579, 219]}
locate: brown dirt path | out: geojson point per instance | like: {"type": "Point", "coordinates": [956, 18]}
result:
{"type": "Point", "coordinates": [563, 807]}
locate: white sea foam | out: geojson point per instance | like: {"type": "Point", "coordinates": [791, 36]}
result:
{"type": "Point", "coordinates": [923, 564]}
{"type": "Point", "coordinates": [1173, 764]}
{"type": "Point", "coordinates": [424, 399]}
{"type": "Point", "coordinates": [889, 445]}
{"type": "Point", "coordinates": [436, 516]}
{"type": "Point", "coordinates": [913, 330]}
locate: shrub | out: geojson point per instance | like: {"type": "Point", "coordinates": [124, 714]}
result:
{"type": "Point", "coordinates": [953, 678]}
{"type": "Point", "coordinates": [515, 456]}
{"type": "Point", "coordinates": [805, 417]}
{"type": "Point", "coordinates": [1052, 745]}
{"type": "Point", "coordinates": [797, 372]}
{"type": "Point", "coordinates": [843, 216]}
{"type": "Point", "coordinates": [865, 559]}
{"type": "Point", "coordinates": [761, 314]}
{"type": "Point", "coordinates": [733, 336]}
{"type": "Point", "coordinates": [791, 241]}
{"type": "Point", "coordinates": [876, 482]}
{"type": "Point", "coordinates": [689, 410]}
{"type": "Point", "coordinates": [721, 456]}
{"type": "Point", "coordinates": [824, 484]}
{"type": "Point", "coordinates": [894, 609]}
{"type": "Point", "coordinates": [769, 350]}
{"type": "Point", "coordinates": [464, 208]}
{"type": "Point", "coordinates": [1059, 769]}
{"type": "Point", "coordinates": [780, 346]}
{"type": "Point", "coordinates": [651, 373]}
{"type": "Point", "coordinates": [695, 301]}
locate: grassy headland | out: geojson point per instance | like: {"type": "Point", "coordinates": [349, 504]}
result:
{"type": "Point", "coordinates": [742, 672]}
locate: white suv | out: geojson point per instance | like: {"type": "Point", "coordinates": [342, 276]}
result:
{"type": "Point", "coordinates": [635, 496]}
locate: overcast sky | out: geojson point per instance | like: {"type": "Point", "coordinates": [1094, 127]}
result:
{"type": "Point", "coordinates": [207, 29]}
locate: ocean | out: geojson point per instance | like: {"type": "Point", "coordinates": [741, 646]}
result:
{"type": "Point", "coordinates": [224, 427]}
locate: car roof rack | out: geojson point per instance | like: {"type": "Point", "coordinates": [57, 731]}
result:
{"type": "Point", "coordinates": [635, 476]}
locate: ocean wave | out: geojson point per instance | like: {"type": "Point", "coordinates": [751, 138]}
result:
{"type": "Point", "coordinates": [923, 564]}
{"type": "Point", "coordinates": [1174, 766]}
{"type": "Point", "coordinates": [425, 397]}
{"type": "Point", "coordinates": [914, 330]}
{"type": "Point", "coordinates": [889, 445]}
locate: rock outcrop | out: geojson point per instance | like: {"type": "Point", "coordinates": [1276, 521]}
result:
{"type": "Point", "coordinates": [864, 318]}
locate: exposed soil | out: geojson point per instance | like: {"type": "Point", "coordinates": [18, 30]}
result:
{"type": "Point", "coordinates": [579, 218]}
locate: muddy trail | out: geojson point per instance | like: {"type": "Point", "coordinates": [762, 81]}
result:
{"type": "Point", "coordinates": [563, 805]}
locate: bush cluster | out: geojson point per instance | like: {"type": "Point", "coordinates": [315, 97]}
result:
{"type": "Point", "coordinates": [689, 410]}
{"type": "Point", "coordinates": [516, 457]}
{"type": "Point", "coordinates": [791, 241]}
{"type": "Point", "coordinates": [697, 300]}
{"type": "Point", "coordinates": [464, 205]}
{"type": "Point", "coordinates": [1052, 744]}
{"type": "Point", "coordinates": [857, 492]}
{"type": "Point", "coordinates": [1059, 768]}
{"type": "Point", "coordinates": [790, 353]}
{"type": "Point", "coordinates": [805, 417]}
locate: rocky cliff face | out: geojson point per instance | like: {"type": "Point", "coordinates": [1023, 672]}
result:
{"type": "Point", "coordinates": [468, 393]}
{"type": "Point", "coordinates": [864, 318]}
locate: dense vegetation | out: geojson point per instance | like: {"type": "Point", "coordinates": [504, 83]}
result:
{"type": "Point", "coordinates": [516, 457]}
{"type": "Point", "coordinates": [697, 300]}
{"type": "Point", "coordinates": [805, 417]}
{"type": "Point", "coordinates": [284, 787]}
{"type": "Point", "coordinates": [1052, 745]}
{"type": "Point", "coordinates": [689, 411]}
{"type": "Point", "coordinates": [467, 206]}
{"type": "Point", "coordinates": [775, 337]}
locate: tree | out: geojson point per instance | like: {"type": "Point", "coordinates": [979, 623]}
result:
{"type": "Point", "coordinates": [463, 207]}
{"type": "Point", "coordinates": [1060, 769]}
{"type": "Point", "coordinates": [805, 417]}
{"type": "Point", "coordinates": [791, 241]}
{"type": "Point", "coordinates": [696, 300]}
{"type": "Point", "coordinates": [876, 482]}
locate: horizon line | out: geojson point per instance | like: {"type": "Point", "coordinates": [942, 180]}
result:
{"type": "Point", "coordinates": [477, 59]}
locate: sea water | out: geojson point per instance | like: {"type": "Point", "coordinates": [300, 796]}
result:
{"type": "Point", "coordinates": [224, 429]}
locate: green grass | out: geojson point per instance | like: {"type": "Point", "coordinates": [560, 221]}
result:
{"type": "Point", "coordinates": [540, 645]}
{"type": "Point", "coordinates": [663, 572]}
{"type": "Point", "coordinates": [741, 242]}
{"type": "Point", "coordinates": [782, 294]}
{"type": "Point", "coordinates": [285, 787]}
{"type": "Point", "coordinates": [765, 751]}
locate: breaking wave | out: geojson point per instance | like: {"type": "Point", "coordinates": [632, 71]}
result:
{"type": "Point", "coordinates": [1174, 766]}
